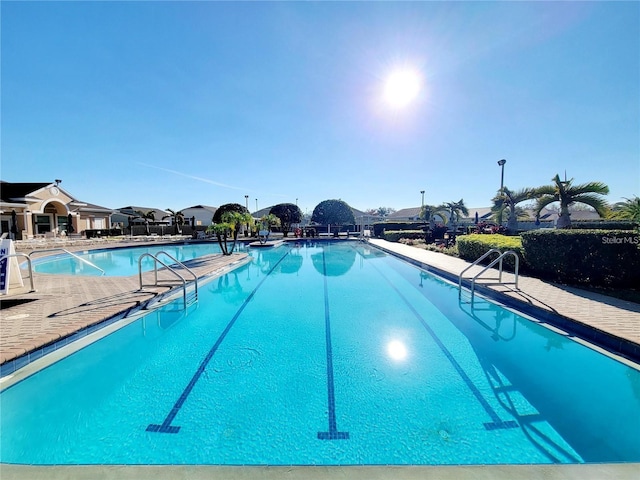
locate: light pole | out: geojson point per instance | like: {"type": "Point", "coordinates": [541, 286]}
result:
{"type": "Point", "coordinates": [256, 204]}
{"type": "Point", "coordinates": [501, 163]}
{"type": "Point", "coordinates": [422, 192]}
{"type": "Point", "coordinates": [246, 202]}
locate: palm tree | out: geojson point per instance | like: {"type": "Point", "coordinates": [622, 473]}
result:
{"type": "Point", "coordinates": [505, 198]}
{"type": "Point", "coordinates": [627, 210]}
{"type": "Point", "coordinates": [455, 209]}
{"type": "Point", "coordinates": [177, 218]}
{"type": "Point", "coordinates": [564, 192]}
{"type": "Point", "coordinates": [229, 225]}
{"type": "Point", "coordinates": [149, 215]}
{"type": "Point", "coordinates": [268, 221]}
{"type": "Point", "coordinates": [428, 213]}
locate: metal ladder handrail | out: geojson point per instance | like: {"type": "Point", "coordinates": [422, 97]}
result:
{"type": "Point", "coordinates": [499, 259]}
{"type": "Point", "coordinates": [69, 253]}
{"type": "Point", "coordinates": [20, 254]}
{"type": "Point", "coordinates": [493, 250]}
{"type": "Point", "coordinates": [155, 269]}
{"type": "Point", "coordinates": [195, 277]}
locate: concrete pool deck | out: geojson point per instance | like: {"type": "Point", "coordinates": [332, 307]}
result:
{"type": "Point", "coordinates": [64, 304]}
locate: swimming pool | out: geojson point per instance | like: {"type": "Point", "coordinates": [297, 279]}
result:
{"type": "Point", "coordinates": [326, 354]}
{"type": "Point", "coordinates": [122, 262]}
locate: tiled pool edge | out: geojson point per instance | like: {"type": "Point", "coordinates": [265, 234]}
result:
{"type": "Point", "coordinates": [17, 363]}
{"type": "Point", "coordinates": [622, 471]}
{"type": "Point", "coordinates": [611, 343]}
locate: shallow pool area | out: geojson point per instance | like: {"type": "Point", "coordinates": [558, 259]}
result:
{"type": "Point", "coordinates": [327, 354]}
{"type": "Point", "coordinates": [123, 261]}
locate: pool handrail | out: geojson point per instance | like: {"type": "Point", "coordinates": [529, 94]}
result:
{"type": "Point", "coordinates": [493, 250]}
{"type": "Point", "coordinates": [499, 259]}
{"type": "Point", "coordinates": [69, 253]}
{"type": "Point", "coordinates": [21, 254]}
{"type": "Point", "coordinates": [195, 277]}
{"type": "Point", "coordinates": [169, 269]}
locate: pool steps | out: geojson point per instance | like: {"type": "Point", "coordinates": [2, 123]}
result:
{"type": "Point", "coordinates": [187, 298]}
{"type": "Point", "coordinates": [498, 260]}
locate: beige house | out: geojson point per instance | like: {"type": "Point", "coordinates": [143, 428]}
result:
{"type": "Point", "coordinates": [45, 209]}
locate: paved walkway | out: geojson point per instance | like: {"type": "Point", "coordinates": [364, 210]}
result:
{"type": "Point", "coordinates": [607, 321]}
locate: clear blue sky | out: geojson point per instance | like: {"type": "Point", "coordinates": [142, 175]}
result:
{"type": "Point", "coordinates": [169, 105]}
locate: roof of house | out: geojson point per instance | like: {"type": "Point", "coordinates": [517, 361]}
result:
{"type": "Point", "coordinates": [203, 207]}
{"type": "Point", "coordinates": [90, 207]}
{"type": "Point", "coordinates": [10, 192]}
{"type": "Point", "coordinates": [412, 212]}
{"type": "Point", "coordinates": [17, 193]}
{"type": "Point", "coordinates": [483, 213]}
{"type": "Point", "coordinates": [548, 214]}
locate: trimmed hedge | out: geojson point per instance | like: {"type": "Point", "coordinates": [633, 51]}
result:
{"type": "Point", "coordinates": [603, 224]}
{"type": "Point", "coordinates": [380, 227]}
{"type": "Point", "coordinates": [396, 235]}
{"type": "Point", "coordinates": [471, 247]}
{"type": "Point", "coordinates": [594, 257]}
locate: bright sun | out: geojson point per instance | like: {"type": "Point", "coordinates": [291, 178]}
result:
{"type": "Point", "coordinates": [401, 88]}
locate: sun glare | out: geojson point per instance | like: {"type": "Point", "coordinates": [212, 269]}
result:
{"type": "Point", "coordinates": [397, 350]}
{"type": "Point", "coordinates": [402, 87]}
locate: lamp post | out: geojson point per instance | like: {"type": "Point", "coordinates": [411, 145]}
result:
{"type": "Point", "coordinates": [422, 204]}
{"type": "Point", "coordinates": [501, 163]}
{"type": "Point", "coordinates": [246, 202]}
{"type": "Point", "coordinates": [256, 204]}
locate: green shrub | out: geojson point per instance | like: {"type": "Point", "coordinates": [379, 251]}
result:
{"type": "Point", "coordinates": [396, 235]}
{"type": "Point", "coordinates": [603, 224]}
{"type": "Point", "coordinates": [380, 227]}
{"type": "Point", "coordinates": [594, 257]}
{"type": "Point", "coordinates": [471, 247]}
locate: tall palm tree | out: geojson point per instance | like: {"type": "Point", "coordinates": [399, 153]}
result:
{"type": "Point", "coordinates": [627, 210]}
{"type": "Point", "coordinates": [230, 223]}
{"type": "Point", "coordinates": [506, 198]}
{"type": "Point", "coordinates": [177, 218]}
{"type": "Point", "coordinates": [455, 209]}
{"type": "Point", "coordinates": [564, 192]}
{"type": "Point", "coordinates": [428, 213]}
{"type": "Point", "coordinates": [149, 215]}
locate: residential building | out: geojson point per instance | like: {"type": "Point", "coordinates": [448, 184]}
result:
{"type": "Point", "coordinates": [199, 215]}
{"type": "Point", "coordinates": [32, 209]}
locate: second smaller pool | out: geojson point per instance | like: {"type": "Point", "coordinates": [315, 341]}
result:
{"type": "Point", "coordinates": [121, 261]}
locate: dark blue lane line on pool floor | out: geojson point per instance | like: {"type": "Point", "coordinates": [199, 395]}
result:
{"type": "Point", "coordinates": [333, 433]}
{"type": "Point", "coordinates": [166, 426]}
{"type": "Point", "coordinates": [496, 421]}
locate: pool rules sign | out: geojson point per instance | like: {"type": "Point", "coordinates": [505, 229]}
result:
{"type": "Point", "coordinates": [9, 268]}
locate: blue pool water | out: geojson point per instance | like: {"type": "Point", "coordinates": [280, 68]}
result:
{"type": "Point", "coordinates": [325, 354]}
{"type": "Point", "coordinates": [122, 262]}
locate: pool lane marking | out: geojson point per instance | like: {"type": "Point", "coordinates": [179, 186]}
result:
{"type": "Point", "coordinates": [496, 422]}
{"type": "Point", "coordinates": [166, 426]}
{"type": "Point", "coordinates": [333, 433]}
